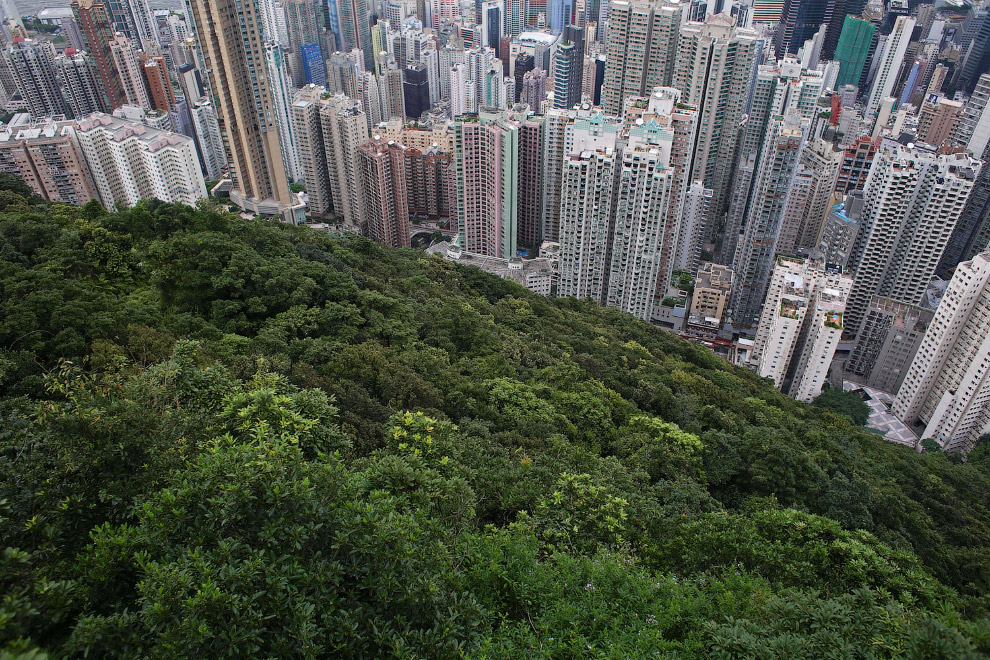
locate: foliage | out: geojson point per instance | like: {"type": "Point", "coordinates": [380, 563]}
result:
{"type": "Point", "coordinates": [221, 437]}
{"type": "Point", "coordinates": [845, 403]}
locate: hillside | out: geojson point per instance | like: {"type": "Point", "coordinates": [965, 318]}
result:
{"type": "Point", "coordinates": [230, 438]}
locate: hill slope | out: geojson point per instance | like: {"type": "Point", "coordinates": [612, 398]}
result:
{"type": "Point", "coordinates": [239, 438]}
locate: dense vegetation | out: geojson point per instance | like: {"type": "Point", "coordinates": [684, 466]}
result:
{"type": "Point", "coordinates": [229, 438]}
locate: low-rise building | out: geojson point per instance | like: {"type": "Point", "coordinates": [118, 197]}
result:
{"type": "Point", "coordinates": [712, 288]}
{"type": "Point", "coordinates": [534, 274]}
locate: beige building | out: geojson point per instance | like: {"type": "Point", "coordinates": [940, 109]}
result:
{"type": "Point", "coordinates": [46, 156]}
{"type": "Point", "coordinates": [384, 180]}
{"type": "Point", "coordinates": [937, 119]}
{"type": "Point", "coordinates": [231, 41]}
{"type": "Point", "coordinates": [712, 287]}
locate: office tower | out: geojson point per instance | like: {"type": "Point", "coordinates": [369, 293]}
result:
{"type": "Point", "coordinates": [311, 150]}
{"type": "Point", "coordinates": [712, 70]}
{"type": "Point", "coordinates": [129, 69]}
{"type": "Point", "coordinates": [534, 91]}
{"type": "Point", "coordinates": [355, 29]}
{"type": "Point", "coordinates": [805, 214]}
{"type": "Point", "coordinates": [130, 161]}
{"type": "Point", "coordinates": [567, 68]}
{"type": "Point", "coordinates": [887, 343]}
{"type": "Point", "coordinates": [208, 138]}
{"type": "Point", "coordinates": [30, 64]}
{"type": "Point", "coordinates": [753, 263]}
{"type": "Point", "coordinates": [767, 11]}
{"type": "Point", "coordinates": [946, 388]}
{"type": "Point", "coordinates": [46, 156]}
{"type": "Point", "coordinates": [800, 326]}
{"type": "Point", "coordinates": [643, 190]}
{"type": "Point", "coordinates": [586, 220]}
{"type": "Point", "coordinates": [524, 64]}
{"type": "Point", "coordinates": [486, 159]}
{"type": "Point", "coordinates": [853, 49]}
{"type": "Point", "coordinates": [801, 19]}
{"type": "Point", "coordinates": [383, 170]}
{"type": "Point", "coordinates": [937, 119]}
{"type": "Point", "coordinates": [640, 49]}
{"type": "Point", "coordinates": [231, 40]}
{"type": "Point", "coordinates": [309, 66]}
{"type": "Point", "coordinates": [840, 230]}
{"type": "Point", "coordinates": [972, 131]}
{"type": "Point", "coordinates": [890, 61]}
{"type": "Point", "coordinates": [158, 83]}
{"type": "Point", "coordinates": [442, 11]}
{"type": "Point", "coordinates": [416, 90]}
{"type": "Point", "coordinates": [344, 127]}
{"type": "Point", "coordinates": [491, 24]}
{"type": "Point", "coordinates": [78, 81]}
{"type": "Point", "coordinates": [913, 200]}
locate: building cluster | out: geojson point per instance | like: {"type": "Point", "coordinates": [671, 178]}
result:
{"type": "Point", "coordinates": [794, 173]}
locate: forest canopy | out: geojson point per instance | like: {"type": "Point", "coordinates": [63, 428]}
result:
{"type": "Point", "coordinates": [225, 438]}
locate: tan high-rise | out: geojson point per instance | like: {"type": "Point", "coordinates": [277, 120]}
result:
{"type": "Point", "coordinates": [230, 39]}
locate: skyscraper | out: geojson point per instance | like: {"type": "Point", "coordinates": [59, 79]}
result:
{"type": "Point", "coordinates": [853, 49]}
{"type": "Point", "coordinates": [946, 389]}
{"type": "Point", "coordinates": [384, 181]}
{"type": "Point", "coordinates": [801, 19]}
{"type": "Point", "coordinates": [78, 80]}
{"type": "Point", "coordinates": [640, 48]}
{"type": "Point", "coordinates": [129, 70]}
{"type": "Point", "coordinates": [416, 90]}
{"type": "Point", "coordinates": [30, 64]}
{"type": "Point", "coordinates": [712, 70]}
{"type": "Point", "coordinates": [913, 201]}
{"type": "Point", "coordinates": [231, 40]}
{"type": "Point", "coordinates": [890, 61]}
{"type": "Point", "coordinates": [344, 127]}
{"type": "Point", "coordinates": [46, 156]}
{"type": "Point", "coordinates": [800, 326]}
{"type": "Point", "coordinates": [568, 68]}
{"type": "Point", "coordinates": [355, 29]}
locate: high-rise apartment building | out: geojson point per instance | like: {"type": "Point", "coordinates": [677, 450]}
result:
{"type": "Point", "coordinates": [156, 77]}
{"type": "Point", "coordinates": [890, 61]}
{"type": "Point", "coordinates": [888, 340]}
{"type": "Point", "coordinates": [30, 64]}
{"type": "Point", "coordinates": [805, 216]}
{"type": "Point", "coordinates": [304, 20]}
{"type": "Point", "coordinates": [913, 200]}
{"type": "Point", "coordinates": [231, 40]}
{"type": "Point", "coordinates": [310, 148]}
{"type": "Point", "coordinates": [753, 263]}
{"type": "Point", "coordinates": [640, 49]}
{"type": "Point", "coordinates": [130, 161]}
{"type": "Point", "coordinates": [280, 87]}
{"type": "Point", "coordinates": [78, 80]}
{"type": "Point", "coordinates": [208, 138]}
{"type": "Point", "coordinates": [712, 70]}
{"type": "Point", "coordinates": [937, 119]}
{"type": "Point", "coordinates": [486, 168]}
{"type": "Point", "coordinates": [946, 389]}
{"type": "Point", "coordinates": [800, 326]}
{"type": "Point", "coordinates": [384, 182]}
{"type": "Point", "coordinates": [972, 131]}
{"type": "Point", "coordinates": [856, 163]}
{"type": "Point", "coordinates": [97, 26]}
{"type": "Point", "coordinates": [46, 156]}
{"type": "Point", "coordinates": [355, 29]}
{"type": "Point", "coordinates": [344, 127]}
{"type": "Point", "coordinates": [130, 71]}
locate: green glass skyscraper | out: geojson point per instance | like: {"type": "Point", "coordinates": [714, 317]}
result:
{"type": "Point", "coordinates": [853, 49]}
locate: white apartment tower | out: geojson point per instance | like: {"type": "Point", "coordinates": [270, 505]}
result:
{"type": "Point", "coordinates": [947, 388]}
{"type": "Point", "coordinates": [800, 326]}
{"type": "Point", "coordinates": [131, 161]}
{"type": "Point", "coordinates": [310, 149]}
{"type": "Point", "coordinates": [913, 200]}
